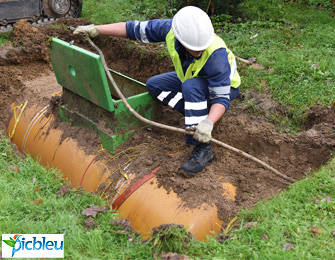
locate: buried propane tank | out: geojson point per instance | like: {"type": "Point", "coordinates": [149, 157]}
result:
{"type": "Point", "coordinates": [88, 100]}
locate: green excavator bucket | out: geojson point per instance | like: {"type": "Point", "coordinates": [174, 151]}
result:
{"type": "Point", "coordinates": [89, 99]}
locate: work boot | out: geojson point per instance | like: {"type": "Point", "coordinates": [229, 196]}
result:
{"type": "Point", "coordinates": [201, 155]}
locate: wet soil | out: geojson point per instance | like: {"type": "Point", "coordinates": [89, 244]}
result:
{"type": "Point", "coordinates": [26, 74]}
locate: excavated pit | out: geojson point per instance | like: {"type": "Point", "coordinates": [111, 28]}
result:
{"type": "Point", "coordinates": [26, 74]}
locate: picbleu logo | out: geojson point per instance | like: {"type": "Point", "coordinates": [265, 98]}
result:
{"type": "Point", "coordinates": [32, 245]}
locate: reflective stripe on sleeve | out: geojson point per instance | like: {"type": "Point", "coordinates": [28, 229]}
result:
{"type": "Point", "coordinates": [233, 70]}
{"type": "Point", "coordinates": [143, 25]}
{"type": "Point", "coordinates": [217, 92]}
{"type": "Point", "coordinates": [135, 25]}
{"type": "Point", "coordinates": [194, 120]}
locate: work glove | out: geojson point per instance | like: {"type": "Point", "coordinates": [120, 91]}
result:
{"type": "Point", "coordinates": [90, 30]}
{"type": "Point", "coordinates": [203, 131]}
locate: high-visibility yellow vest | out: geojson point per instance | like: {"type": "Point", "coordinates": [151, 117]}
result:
{"type": "Point", "coordinates": [195, 67]}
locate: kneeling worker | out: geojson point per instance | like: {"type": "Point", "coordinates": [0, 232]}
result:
{"type": "Point", "coordinates": [205, 79]}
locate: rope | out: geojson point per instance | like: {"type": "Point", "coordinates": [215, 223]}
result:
{"type": "Point", "coordinates": [175, 129]}
{"type": "Point", "coordinates": [17, 119]}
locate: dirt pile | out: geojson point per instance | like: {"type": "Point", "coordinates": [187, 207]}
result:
{"type": "Point", "coordinates": [26, 74]}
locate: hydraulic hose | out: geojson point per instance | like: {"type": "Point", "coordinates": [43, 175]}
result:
{"type": "Point", "coordinates": [175, 129]}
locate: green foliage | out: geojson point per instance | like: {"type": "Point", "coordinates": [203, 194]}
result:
{"type": "Point", "coordinates": [29, 205]}
{"type": "Point", "coordinates": [295, 45]}
{"type": "Point", "coordinates": [316, 3]}
{"type": "Point", "coordinates": [155, 9]}
{"type": "Point", "coordinates": [213, 7]}
{"type": "Point", "coordinates": [303, 216]}
{"type": "Point", "coordinates": [103, 11]}
{"type": "Point", "coordinates": [297, 49]}
{"type": "Point", "coordinates": [290, 218]}
{"type": "Point", "coordinates": [170, 238]}
{"type": "Point", "coordinates": [4, 37]}
{"type": "Point", "coordinates": [263, 10]}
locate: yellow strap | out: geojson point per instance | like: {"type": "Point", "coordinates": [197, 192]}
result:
{"type": "Point", "coordinates": [17, 118]}
{"type": "Point", "coordinates": [230, 223]}
{"type": "Point", "coordinates": [124, 174]}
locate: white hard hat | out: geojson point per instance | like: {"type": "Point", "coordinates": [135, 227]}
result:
{"type": "Point", "coordinates": [193, 28]}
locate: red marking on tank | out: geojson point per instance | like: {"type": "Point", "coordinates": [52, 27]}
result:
{"type": "Point", "coordinates": [130, 190]}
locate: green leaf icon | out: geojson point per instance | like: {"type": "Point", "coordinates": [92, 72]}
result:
{"type": "Point", "coordinates": [10, 242]}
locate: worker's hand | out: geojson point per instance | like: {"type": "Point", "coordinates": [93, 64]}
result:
{"type": "Point", "coordinates": [203, 131]}
{"type": "Point", "coordinates": [90, 30]}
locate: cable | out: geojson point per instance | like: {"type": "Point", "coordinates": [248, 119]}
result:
{"type": "Point", "coordinates": [175, 129]}
{"type": "Point", "coordinates": [17, 118]}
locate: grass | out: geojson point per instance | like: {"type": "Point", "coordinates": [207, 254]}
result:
{"type": "Point", "coordinates": [29, 205]}
{"type": "Point", "coordinates": [297, 44]}
{"type": "Point", "coordinates": [302, 217]}
{"type": "Point", "coordinates": [4, 38]}
{"type": "Point", "coordinates": [294, 40]}
{"type": "Point", "coordinates": [291, 217]}
{"type": "Point", "coordinates": [103, 11]}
